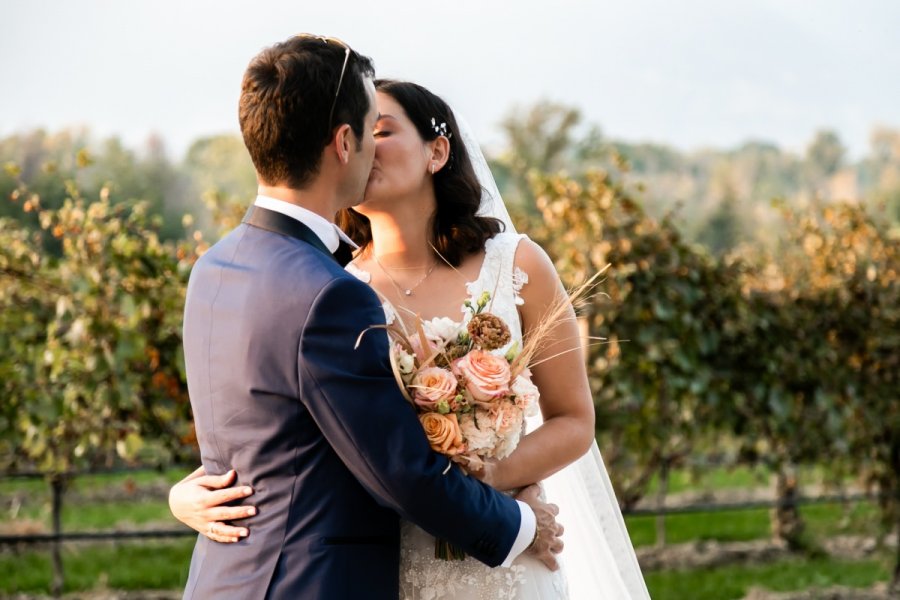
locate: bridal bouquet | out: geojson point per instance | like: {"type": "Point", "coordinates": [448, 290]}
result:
{"type": "Point", "coordinates": [471, 399]}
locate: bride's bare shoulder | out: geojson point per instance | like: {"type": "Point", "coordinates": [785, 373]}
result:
{"type": "Point", "coordinates": [544, 287]}
{"type": "Point", "coordinates": [534, 261]}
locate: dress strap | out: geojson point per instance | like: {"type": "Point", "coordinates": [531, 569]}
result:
{"type": "Point", "coordinates": [500, 266]}
{"type": "Point", "coordinates": [502, 279]}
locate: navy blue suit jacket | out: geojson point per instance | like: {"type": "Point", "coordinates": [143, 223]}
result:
{"type": "Point", "coordinates": [316, 427]}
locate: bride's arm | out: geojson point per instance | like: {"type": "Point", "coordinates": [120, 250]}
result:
{"type": "Point", "coordinates": [566, 402]}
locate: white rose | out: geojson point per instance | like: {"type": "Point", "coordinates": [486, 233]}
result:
{"type": "Point", "coordinates": [442, 330]}
{"type": "Point", "coordinates": [406, 362]}
{"type": "Point", "coordinates": [508, 421]}
{"type": "Point", "coordinates": [527, 394]}
{"type": "Point", "coordinates": [479, 438]}
{"type": "Point", "coordinates": [507, 443]}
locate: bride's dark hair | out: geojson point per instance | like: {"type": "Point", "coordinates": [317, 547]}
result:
{"type": "Point", "coordinates": [456, 229]}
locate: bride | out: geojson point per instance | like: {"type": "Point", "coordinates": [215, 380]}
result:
{"type": "Point", "coordinates": [433, 233]}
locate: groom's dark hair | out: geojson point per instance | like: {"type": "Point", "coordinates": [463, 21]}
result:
{"type": "Point", "coordinates": [286, 98]}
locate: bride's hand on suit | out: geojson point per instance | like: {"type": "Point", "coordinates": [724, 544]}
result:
{"type": "Point", "coordinates": [200, 502]}
{"type": "Point", "coordinates": [547, 537]}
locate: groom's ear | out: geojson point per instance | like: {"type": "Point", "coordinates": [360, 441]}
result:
{"type": "Point", "coordinates": [440, 152]}
{"type": "Point", "coordinates": [343, 143]}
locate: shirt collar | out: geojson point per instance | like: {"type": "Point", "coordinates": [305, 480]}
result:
{"type": "Point", "coordinates": [330, 234]}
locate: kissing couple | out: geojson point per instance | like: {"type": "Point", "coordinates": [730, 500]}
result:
{"type": "Point", "coordinates": [376, 206]}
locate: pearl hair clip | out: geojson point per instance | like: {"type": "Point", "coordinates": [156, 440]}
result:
{"type": "Point", "coordinates": [440, 129]}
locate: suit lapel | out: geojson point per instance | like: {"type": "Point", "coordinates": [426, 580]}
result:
{"type": "Point", "coordinates": [276, 222]}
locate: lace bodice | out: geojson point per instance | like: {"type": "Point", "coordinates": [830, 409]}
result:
{"type": "Point", "coordinates": [422, 577]}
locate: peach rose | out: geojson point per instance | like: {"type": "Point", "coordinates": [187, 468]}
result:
{"type": "Point", "coordinates": [432, 385]}
{"type": "Point", "coordinates": [486, 375]}
{"type": "Point", "coordinates": [507, 418]}
{"type": "Point", "coordinates": [443, 433]}
{"type": "Point", "coordinates": [507, 421]}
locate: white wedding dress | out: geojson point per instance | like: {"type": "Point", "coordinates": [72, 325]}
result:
{"type": "Point", "coordinates": [598, 561]}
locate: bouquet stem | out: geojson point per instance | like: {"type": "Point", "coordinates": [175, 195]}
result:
{"type": "Point", "coordinates": [444, 550]}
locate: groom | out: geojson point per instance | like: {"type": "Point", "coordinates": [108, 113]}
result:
{"type": "Point", "coordinates": [318, 429]}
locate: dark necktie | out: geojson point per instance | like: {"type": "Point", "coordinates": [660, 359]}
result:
{"type": "Point", "coordinates": [344, 253]}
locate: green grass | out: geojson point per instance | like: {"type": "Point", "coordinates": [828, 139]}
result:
{"type": "Point", "coordinates": [733, 582]}
{"type": "Point", "coordinates": [137, 478]}
{"type": "Point", "coordinates": [826, 520]}
{"type": "Point", "coordinates": [94, 514]}
{"type": "Point", "coordinates": [106, 515]}
{"type": "Point", "coordinates": [723, 478]}
{"type": "Point", "coordinates": [724, 526]}
{"type": "Point", "coordinates": [823, 520]}
{"type": "Point", "coordinates": [713, 478]}
{"type": "Point", "coordinates": [88, 483]}
{"type": "Point", "coordinates": [30, 487]}
{"type": "Point", "coordinates": [164, 565]}
{"type": "Point", "coordinates": [125, 566]}
{"type": "Point", "coordinates": [116, 515]}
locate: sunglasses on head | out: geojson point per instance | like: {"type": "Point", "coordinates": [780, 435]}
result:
{"type": "Point", "coordinates": [346, 47]}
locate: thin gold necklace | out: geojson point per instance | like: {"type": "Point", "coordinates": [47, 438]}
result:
{"type": "Point", "coordinates": [400, 289]}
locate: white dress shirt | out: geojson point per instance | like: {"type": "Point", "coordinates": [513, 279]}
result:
{"type": "Point", "coordinates": [331, 235]}
{"type": "Point", "coordinates": [527, 527]}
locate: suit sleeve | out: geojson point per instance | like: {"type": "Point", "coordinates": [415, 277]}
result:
{"type": "Point", "coordinates": [354, 399]}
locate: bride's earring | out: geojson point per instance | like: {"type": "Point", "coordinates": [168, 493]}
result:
{"type": "Point", "coordinates": [432, 168]}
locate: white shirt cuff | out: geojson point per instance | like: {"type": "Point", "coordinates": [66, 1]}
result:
{"type": "Point", "coordinates": [527, 526]}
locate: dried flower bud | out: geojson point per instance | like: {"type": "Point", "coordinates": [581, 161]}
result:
{"type": "Point", "coordinates": [488, 331]}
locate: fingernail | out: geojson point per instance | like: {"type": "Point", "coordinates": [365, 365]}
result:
{"type": "Point", "coordinates": [232, 539]}
{"type": "Point", "coordinates": [248, 491]}
{"type": "Point", "coordinates": [251, 511]}
{"type": "Point", "coordinates": [243, 533]}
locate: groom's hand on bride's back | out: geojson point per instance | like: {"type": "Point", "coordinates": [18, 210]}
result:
{"type": "Point", "coordinates": [547, 542]}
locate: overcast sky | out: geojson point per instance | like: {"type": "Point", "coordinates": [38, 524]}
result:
{"type": "Point", "coordinates": [688, 73]}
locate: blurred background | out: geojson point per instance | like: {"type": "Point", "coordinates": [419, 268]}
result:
{"type": "Point", "coordinates": [737, 166]}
